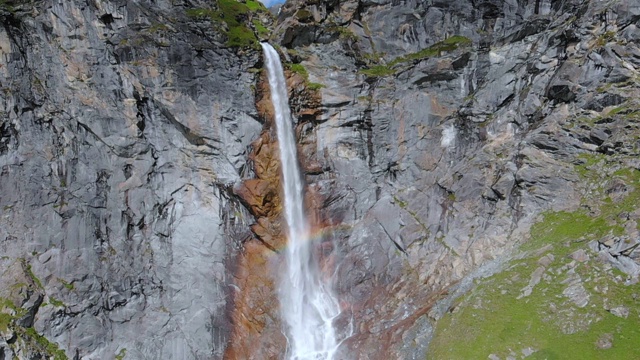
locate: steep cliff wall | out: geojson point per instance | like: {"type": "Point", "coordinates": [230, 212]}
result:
{"type": "Point", "coordinates": [140, 209]}
{"type": "Point", "coordinates": [124, 126]}
{"type": "Point", "coordinates": [447, 128]}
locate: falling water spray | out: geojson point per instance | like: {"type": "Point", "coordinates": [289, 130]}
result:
{"type": "Point", "coordinates": [307, 304]}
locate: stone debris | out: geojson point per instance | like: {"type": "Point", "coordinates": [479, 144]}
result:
{"type": "Point", "coordinates": [622, 252]}
{"type": "Point", "coordinates": [546, 260]}
{"type": "Point", "coordinates": [576, 291]}
{"type": "Point", "coordinates": [620, 311]}
{"type": "Point", "coordinates": [580, 255]}
{"type": "Point", "coordinates": [528, 351]}
{"type": "Point", "coordinates": [605, 341]}
{"type": "Point", "coordinates": [535, 279]}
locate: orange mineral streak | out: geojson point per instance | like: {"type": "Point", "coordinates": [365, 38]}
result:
{"type": "Point", "coordinates": [255, 315]}
{"type": "Point", "coordinates": [256, 324]}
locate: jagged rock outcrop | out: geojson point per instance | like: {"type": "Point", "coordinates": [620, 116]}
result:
{"type": "Point", "coordinates": [446, 129]}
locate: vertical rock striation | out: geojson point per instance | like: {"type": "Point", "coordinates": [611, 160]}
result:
{"type": "Point", "coordinates": [124, 124]}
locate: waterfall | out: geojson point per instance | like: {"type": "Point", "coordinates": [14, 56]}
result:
{"type": "Point", "coordinates": [307, 304]}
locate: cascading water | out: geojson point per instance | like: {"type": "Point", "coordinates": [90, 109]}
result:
{"type": "Point", "coordinates": [306, 300]}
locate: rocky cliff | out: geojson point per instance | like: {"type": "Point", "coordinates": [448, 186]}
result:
{"type": "Point", "coordinates": [124, 127]}
{"type": "Point", "coordinates": [442, 143]}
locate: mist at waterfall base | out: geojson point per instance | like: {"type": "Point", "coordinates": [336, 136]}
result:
{"type": "Point", "coordinates": [307, 303]}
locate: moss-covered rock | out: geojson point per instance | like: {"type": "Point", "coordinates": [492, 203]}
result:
{"type": "Point", "coordinates": [564, 297]}
{"type": "Point", "coordinates": [239, 21]}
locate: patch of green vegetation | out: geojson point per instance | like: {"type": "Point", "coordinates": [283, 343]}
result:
{"type": "Point", "coordinates": [617, 110]}
{"type": "Point", "coordinates": [256, 6]}
{"type": "Point", "coordinates": [588, 161]}
{"type": "Point", "coordinates": [562, 228]}
{"type": "Point", "coordinates": [493, 320]}
{"type": "Point", "coordinates": [605, 38]}
{"type": "Point", "coordinates": [121, 354]}
{"type": "Point", "coordinates": [200, 12]}
{"type": "Point", "coordinates": [586, 120]}
{"type": "Point", "coordinates": [400, 203]}
{"type": "Point", "coordinates": [44, 345]}
{"type": "Point", "coordinates": [61, 204]}
{"type": "Point", "coordinates": [157, 27]}
{"type": "Point", "coordinates": [371, 57]}
{"type": "Point", "coordinates": [302, 71]}
{"type": "Point", "coordinates": [378, 71]}
{"type": "Point", "coordinates": [34, 277]}
{"type": "Point", "coordinates": [8, 6]}
{"type": "Point", "coordinates": [263, 32]}
{"type": "Point", "coordinates": [315, 86]}
{"type": "Point", "coordinates": [9, 313]}
{"type": "Point", "coordinates": [8, 304]}
{"type": "Point", "coordinates": [66, 284]}
{"type": "Point", "coordinates": [447, 45]}
{"type": "Point", "coordinates": [627, 111]}
{"type": "Point", "coordinates": [55, 302]}
{"type": "Point", "coordinates": [298, 69]}
{"type": "Point", "coordinates": [304, 15]}
{"type": "Point", "coordinates": [5, 321]}
{"type": "Point", "coordinates": [240, 36]}
{"type": "Point", "coordinates": [343, 32]}
{"type": "Point", "coordinates": [614, 210]}
{"type": "Point", "coordinates": [236, 16]}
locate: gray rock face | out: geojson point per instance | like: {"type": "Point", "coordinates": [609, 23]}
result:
{"type": "Point", "coordinates": [445, 129]}
{"type": "Point", "coordinates": [123, 123]}
{"type": "Point", "coordinates": [441, 160]}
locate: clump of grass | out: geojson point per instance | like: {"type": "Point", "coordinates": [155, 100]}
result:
{"type": "Point", "coordinates": [263, 32]}
{"type": "Point", "coordinates": [43, 344]}
{"type": "Point", "coordinates": [605, 38]}
{"type": "Point", "coordinates": [256, 6]}
{"type": "Point", "coordinates": [304, 15]}
{"type": "Point", "coordinates": [343, 32]}
{"type": "Point", "coordinates": [56, 302]}
{"type": "Point", "coordinates": [302, 71]}
{"type": "Point", "coordinates": [121, 354]}
{"type": "Point", "coordinates": [66, 284]}
{"type": "Point", "coordinates": [8, 5]}
{"type": "Point", "coordinates": [34, 277]}
{"type": "Point", "coordinates": [298, 69]}
{"type": "Point", "coordinates": [449, 44]}
{"type": "Point", "coordinates": [200, 12]}
{"type": "Point", "coordinates": [315, 86]}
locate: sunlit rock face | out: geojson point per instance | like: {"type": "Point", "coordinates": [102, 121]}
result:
{"type": "Point", "coordinates": [139, 173]}
{"type": "Point", "coordinates": [124, 125]}
{"type": "Point", "coordinates": [446, 128]}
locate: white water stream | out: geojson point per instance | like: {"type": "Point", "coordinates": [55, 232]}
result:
{"type": "Point", "coordinates": [307, 304]}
